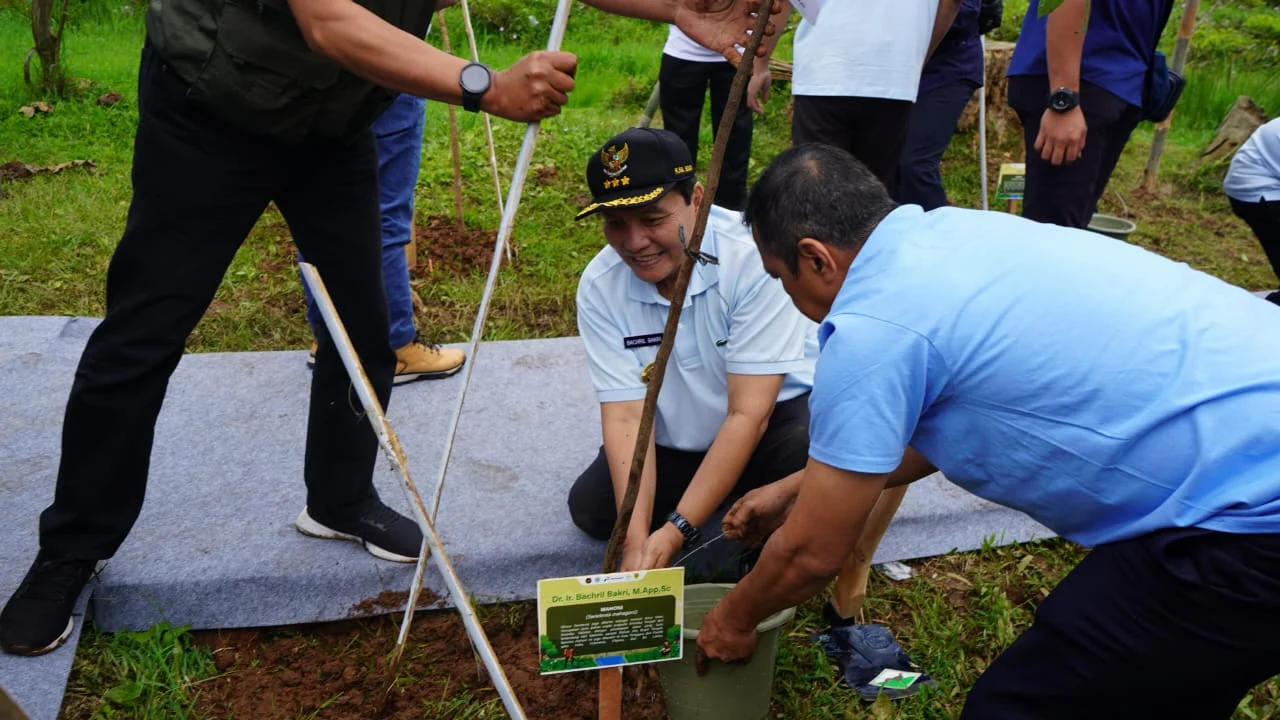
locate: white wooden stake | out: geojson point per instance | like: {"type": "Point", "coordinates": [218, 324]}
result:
{"type": "Point", "coordinates": [390, 444]}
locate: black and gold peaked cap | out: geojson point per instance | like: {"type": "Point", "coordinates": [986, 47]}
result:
{"type": "Point", "coordinates": [635, 168]}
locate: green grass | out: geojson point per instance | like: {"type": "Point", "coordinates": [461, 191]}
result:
{"type": "Point", "coordinates": [153, 674]}
{"type": "Point", "coordinates": [1212, 90]}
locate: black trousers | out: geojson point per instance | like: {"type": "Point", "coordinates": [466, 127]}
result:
{"type": "Point", "coordinates": [933, 122]}
{"type": "Point", "coordinates": [1174, 625]}
{"type": "Point", "coordinates": [199, 187]}
{"type": "Point", "coordinates": [783, 450]}
{"type": "Point", "coordinates": [874, 130]}
{"type": "Point", "coordinates": [1263, 217]}
{"type": "Point", "coordinates": [682, 89]}
{"type": "Point", "coordinates": [1068, 194]}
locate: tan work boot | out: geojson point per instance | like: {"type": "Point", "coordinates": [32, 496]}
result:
{"type": "Point", "coordinates": [417, 361]}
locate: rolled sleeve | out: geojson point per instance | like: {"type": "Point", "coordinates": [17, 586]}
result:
{"type": "Point", "coordinates": [871, 387]}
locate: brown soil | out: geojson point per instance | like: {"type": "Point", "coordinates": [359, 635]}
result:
{"type": "Point", "coordinates": [392, 600]}
{"type": "Point", "coordinates": [339, 671]}
{"type": "Point", "coordinates": [445, 249]}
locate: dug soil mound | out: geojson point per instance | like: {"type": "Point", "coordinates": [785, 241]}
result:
{"type": "Point", "coordinates": [339, 671]}
{"type": "Point", "coordinates": [445, 249]}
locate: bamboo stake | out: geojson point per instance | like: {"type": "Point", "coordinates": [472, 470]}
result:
{"type": "Point", "coordinates": [982, 126]}
{"type": "Point", "coordinates": [453, 133]}
{"type": "Point", "coordinates": [1180, 49]}
{"type": "Point", "coordinates": [488, 127]}
{"type": "Point", "coordinates": [390, 444]}
{"type": "Point", "coordinates": [9, 709]}
{"type": "Point", "coordinates": [651, 107]}
{"type": "Point", "coordinates": [850, 593]}
{"type": "Point", "coordinates": [611, 678]}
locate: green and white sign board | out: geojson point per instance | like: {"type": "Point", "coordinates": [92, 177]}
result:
{"type": "Point", "coordinates": [1012, 182]}
{"type": "Point", "coordinates": [609, 620]}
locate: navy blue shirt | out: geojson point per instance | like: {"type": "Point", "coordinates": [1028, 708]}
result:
{"type": "Point", "coordinates": [1118, 45]}
{"type": "Point", "coordinates": [959, 55]}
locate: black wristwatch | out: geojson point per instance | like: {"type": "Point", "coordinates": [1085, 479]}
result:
{"type": "Point", "coordinates": [689, 532]}
{"type": "Point", "coordinates": [475, 80]}
{"type": "Point", "coordinates": [1063, 100]}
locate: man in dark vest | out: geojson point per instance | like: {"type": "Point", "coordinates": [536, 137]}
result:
{"type": "Point", "coordinates": [243, 103]}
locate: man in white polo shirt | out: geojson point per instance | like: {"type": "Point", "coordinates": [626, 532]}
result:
{"type": "Point", "coordinates": [856, 74]}
{"type": "Point", "coordinates": [733, 413]}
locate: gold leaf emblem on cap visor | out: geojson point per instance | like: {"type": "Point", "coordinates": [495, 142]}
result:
{"type": "Point", "coordinates": [615, 160]}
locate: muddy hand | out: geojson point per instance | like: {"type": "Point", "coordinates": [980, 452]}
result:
{"type": "Point", "coordinates": [532, 89]}
{"type": "Point", "coordinates": [757, 514]}
{"type": "Point", "coordinates": [721, 24]}
{"type": "Point", "coordinates": [719, 640]}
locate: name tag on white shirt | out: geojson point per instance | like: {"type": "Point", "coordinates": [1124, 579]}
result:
{"type": "Point", "coordinates": [639, 341]}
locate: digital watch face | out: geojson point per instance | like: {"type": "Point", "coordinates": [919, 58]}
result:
{"type": "Point", "coordinates": [474, 79]}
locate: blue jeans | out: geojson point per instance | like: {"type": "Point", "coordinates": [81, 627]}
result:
{"type": "Point", "coordinates": [399, 139]}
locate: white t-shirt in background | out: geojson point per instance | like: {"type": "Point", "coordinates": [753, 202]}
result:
{"type": "Point", "coordinates": [1254, 174]}
{"type": "Point", "coordinates": [864, 48]}
{"type": "Point", "coordinates": [683, 47]}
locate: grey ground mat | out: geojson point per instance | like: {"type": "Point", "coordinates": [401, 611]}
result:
{"type": "Point", "coordinates": [215, 545]}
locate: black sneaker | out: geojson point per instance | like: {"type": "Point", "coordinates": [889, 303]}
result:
{"type": "Point", "coordinates": [382, 531]}
{"type": "Point", "coordinates": [37, 618]}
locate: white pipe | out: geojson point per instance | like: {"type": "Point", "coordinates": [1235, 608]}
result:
{"type": "Point", "coordinates": [391, 446]}
{"type": "Point", "coordinates": [504, 234]}
{"type": "Point", "coordinates": [982, 122]}
{"type": "Point", "coordinates": [488, 127]}
{"type": "Point", "coordinates": [558, 26]}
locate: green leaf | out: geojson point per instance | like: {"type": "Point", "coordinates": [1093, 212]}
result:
{"type": "Point", "coordinates": [1048, 6]}
{"type": "Point", "coordinates": [126, 694]}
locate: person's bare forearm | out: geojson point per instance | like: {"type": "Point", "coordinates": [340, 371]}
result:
{"type": "Point", "coordinates": [721, 467]}
{"type": "Point", "coordinates": [370, 47]}
{"type": "Point", "coordinates": [784, 577]}
{"type": "Point", "coordinates": [619, 449]}
{"type": "Point", "coordinates": [942, 22]}
{"type": "Point", "coordinates": [1064, 44]}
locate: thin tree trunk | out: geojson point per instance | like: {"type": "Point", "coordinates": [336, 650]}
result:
{"type": "Point", "coordinates": [48, 44]}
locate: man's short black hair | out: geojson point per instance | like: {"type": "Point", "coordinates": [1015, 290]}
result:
{"type": "Point", "coordinates": [816, 191]}
{"type": "Point", "coordinates": [685, 188]}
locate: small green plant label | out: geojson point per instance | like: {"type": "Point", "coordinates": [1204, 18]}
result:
{"type": "Point", "coordinates": [610, 620]}
{"type": "Point", "coordinates": [896, 679]}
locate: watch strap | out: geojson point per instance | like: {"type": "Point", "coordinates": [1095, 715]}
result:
{"type": "Point", "coordinates": [686, 528]}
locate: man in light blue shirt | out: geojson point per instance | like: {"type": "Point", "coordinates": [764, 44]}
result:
{"type": "Point", "coordinates": [1126, 401]}
{"type": "Point", "coordinates": [1253, 186]}
{"type": "Point", "coordinates": [732, 414]}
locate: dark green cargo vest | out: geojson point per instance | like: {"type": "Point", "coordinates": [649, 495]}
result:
{"type": "Point", "coordinates": [247, 62]}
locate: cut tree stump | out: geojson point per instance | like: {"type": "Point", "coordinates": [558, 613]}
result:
{"type": "Point", "coordinates": [1244, 117]}
{"type": "Point", "coordinates": [1001, 119]}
